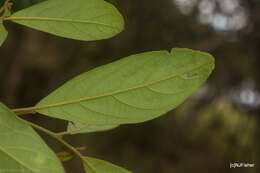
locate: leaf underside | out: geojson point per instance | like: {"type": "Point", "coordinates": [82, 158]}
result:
{"type": "Point", "coordinates": [76, 127]}
{"type": "Point", "coordinates": [132, 90]}
{"type": "Point", "coordinates": [21, 148]}
{"type": "Point", "coordinates": [93, 165]}
{"type": "Point", "coordinates": [81, 19]}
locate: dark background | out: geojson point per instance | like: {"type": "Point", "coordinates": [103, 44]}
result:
{"type": "Point", "coordinates": [217, 126]}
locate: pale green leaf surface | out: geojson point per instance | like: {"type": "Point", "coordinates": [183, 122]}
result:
{"type": "Point", "coordinates": [3, 33]}
{"type": "Point", "coordinates": [134, 89]}
{"type": "Point", "coordinates": [77, 19]}
{"type": "Point", "coordinates": [21, 148]}
{"type": "Point", "coordinates": [93, 165]}
{"type": "Point", "coordinates": [75, 127]}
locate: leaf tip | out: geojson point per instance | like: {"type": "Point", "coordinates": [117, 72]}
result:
{"type": "Point", "coordinates": [207, 57]}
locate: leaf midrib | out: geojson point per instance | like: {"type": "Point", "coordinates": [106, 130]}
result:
{"type": "Point", "coordinates": [13, 18]}
{"type": "Point", "coordinates": [112, 93]}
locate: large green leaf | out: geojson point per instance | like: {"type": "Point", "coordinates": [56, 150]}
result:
{"type": "Point", "coordinates": [21, 149]}
{"type": "Point", "coordinates": [93, 165]}
{"type": "Point", "coordinates": [134, 89]}
{"type": "Point", "coordinates": [3, 33]}
{"type": "Point", "coordinates": [77, 19]}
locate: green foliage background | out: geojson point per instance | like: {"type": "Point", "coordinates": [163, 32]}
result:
{"type": "Point", "coordinates": [205, 134]}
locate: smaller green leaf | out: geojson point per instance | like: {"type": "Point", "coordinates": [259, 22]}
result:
{"type": "Point", "coordinates": [75, 128]}
{"type": "Point", "coordinates": [93, 165]}
{"type": "Point", "coordinates": [3, 33]}
{"type": "Point", "coordinates": [78, 19]}
{"type": "Point", "coordinates": [21, 148]}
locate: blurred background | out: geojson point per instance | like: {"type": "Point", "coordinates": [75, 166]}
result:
{"type": "Point", "coordinates": [218, 125]}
